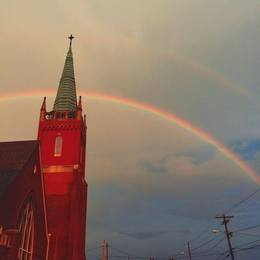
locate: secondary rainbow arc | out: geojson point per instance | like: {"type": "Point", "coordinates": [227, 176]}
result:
{"type": "Point", "coordinates": [188, 126]}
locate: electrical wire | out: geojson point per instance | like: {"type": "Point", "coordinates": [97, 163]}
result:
{"type": "Point", "coordinates": [214, 246]}
{"type": "Point", "coordinates": [249, 243]}
{"type": "Point", "coordinates": [205, 243]}
{"type": "Point", "coordinates": [246, 228]}
{"type": "Point", "coordinates": [202, 232]}
{"type": "Point", "coordinates": [227, 211]}
{"type": "Point", "coordinates": [248, 234]}
{"type": "Point", "coordinates": [202, 255]}
{"type": "Point", "coordinates": [248, 248]}
{"type": "Point", "coordinates": [242, 201]}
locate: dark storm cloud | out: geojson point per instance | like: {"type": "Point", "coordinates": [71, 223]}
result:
{"type": "Point", "coordinates": [144, 234]}
{"type": "Point", "coordinates": [153, 234]}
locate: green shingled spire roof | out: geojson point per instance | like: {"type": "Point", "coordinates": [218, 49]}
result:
{"type": "Point", "coordinates": [66, 99]}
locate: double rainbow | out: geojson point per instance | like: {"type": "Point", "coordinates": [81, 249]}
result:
{"type": "Point", "coordinates": [172, 118]}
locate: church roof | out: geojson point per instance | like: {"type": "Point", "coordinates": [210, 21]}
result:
{"type": "Point", "coordinates": [13, 157]}
{"type": "Point", "coordinates": [66, 98]}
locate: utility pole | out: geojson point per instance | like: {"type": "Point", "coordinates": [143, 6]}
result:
{"type": "Point", "coordinates": [226, 220]}
{"type": "Point", "coordinates": [104, 250]}
{"type": "Point", "coordinates": [189, 250]}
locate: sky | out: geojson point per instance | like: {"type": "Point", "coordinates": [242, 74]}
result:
{"type": "Point", "coordinates": [152, 185]}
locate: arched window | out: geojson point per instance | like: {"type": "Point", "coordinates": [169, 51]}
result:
{"type": "Point", "coordinates": [26, 231]}
{"type": "Point", "coordinates": [58, 146]}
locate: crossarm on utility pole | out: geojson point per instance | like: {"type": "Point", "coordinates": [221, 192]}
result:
{"type": "Point", "coordinates": [226, 220]}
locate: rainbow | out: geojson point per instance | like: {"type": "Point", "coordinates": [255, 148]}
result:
{"type": "Point", "coordinates": [206, 73]}
{"type": "Point", "coordinates": [172, 118]}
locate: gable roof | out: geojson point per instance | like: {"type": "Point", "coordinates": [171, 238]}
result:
{"type": "Point", "coordinates": [13, 157]}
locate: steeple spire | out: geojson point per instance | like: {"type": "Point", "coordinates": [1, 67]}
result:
{"type": "Point", "coordinates": [66, 98]}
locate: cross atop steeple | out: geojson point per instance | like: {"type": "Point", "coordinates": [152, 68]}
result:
{"type": "Point", "coordinates": [71, 37]}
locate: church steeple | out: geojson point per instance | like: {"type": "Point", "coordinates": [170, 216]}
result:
{"type": "Point", "coordinates": [62, 135]}
{"type": "Point", "coordinates": [66, 98]}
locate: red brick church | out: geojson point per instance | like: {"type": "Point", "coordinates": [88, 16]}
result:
{"type": "Point", "coordinates": [43, 191]}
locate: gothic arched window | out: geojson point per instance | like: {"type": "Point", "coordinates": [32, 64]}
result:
{"type": "Point", "coordinates": [26, 231]}
{"type": "Point", "coordinates": [58, 146]}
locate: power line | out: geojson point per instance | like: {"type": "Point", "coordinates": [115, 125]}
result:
{"type": "Point", "coordinates": [215, 245]}
{"type": "Point", "coordinates": [222, 254]}
{"type": "Point", "coordinates": [228, 210]}
{"type": "Point", "coordinates": [205, 243]}
{"type": "Point", "coordinates": [194, 249]}
{"type": "Point", "coordinates": [248, 234]}
{"type": "Point", "coordinates": [202, 232]}
{"type": "Point", "coordinates": [247, 228]}
{"type": "Point", "coordinates": [243, 200]}
{"type": "Point", "coordinates": [225, 256]}
{"type": "Point", "coordinates": [248, 248]}
{"type": "Point", "coordinates": [201, 255]}
{"type": "Point", "coordinates": [132, 256]}
{"type": "Point", "coordinates": [248, 243]}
